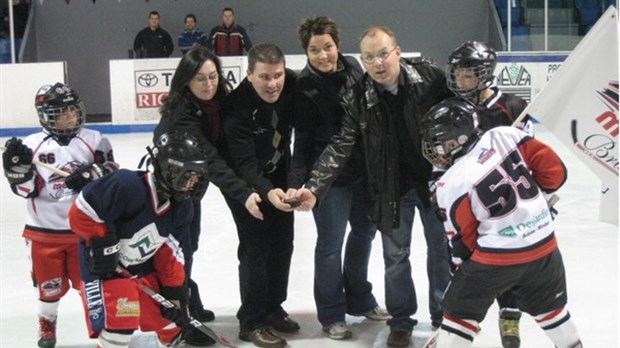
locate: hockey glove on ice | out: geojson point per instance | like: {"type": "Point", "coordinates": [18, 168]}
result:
{"type": "Point", "coordinates": [84, 174]}
{"type": "Point", "coordinates": [17, 161]}
{"type": "Point", "coordinates": [177, 295]}
{"type": "Point", "coordinates": [104, 255]}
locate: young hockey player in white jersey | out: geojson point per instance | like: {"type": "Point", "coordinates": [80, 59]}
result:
{"type": "Point", "coordinates": [469, 74]}
{"type": "Point", "coordinates": [499, 226]}
{"type": "Point", "coordinates": [84, 155]}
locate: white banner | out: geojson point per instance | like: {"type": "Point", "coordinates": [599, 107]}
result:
{"type": "Point", "coordinates": [580, 106]}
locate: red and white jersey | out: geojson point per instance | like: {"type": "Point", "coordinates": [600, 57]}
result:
{"type": "Point", "coordinates": [48, 197]}
{"type": "Point", "coordinates": [495, 210]}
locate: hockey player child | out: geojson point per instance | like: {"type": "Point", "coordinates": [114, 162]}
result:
{"type": "Point", "coordinates": [500, 229]}
{"type": "Point", "coordinates": [84, 155]}
{"type": "Point", "coordinates": [138, 219]}
{"type": "Point", "coordinates": [469, 74]}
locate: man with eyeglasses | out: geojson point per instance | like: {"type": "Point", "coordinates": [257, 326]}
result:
{"type": "Point", "coordinates": [383, 111]}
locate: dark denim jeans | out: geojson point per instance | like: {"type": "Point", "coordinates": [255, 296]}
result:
{"type": "Point", "coordinates": [342, 288]}
{"type": "Point", "coordinates": [400, 295]}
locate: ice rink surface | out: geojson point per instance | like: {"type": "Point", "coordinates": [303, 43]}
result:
{"type": "Point", "coordinates": [589, 248]}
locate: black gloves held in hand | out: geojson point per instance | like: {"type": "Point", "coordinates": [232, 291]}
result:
{"type": "Point", "coordinates": [17, 161]}
{"type": "Point", "coordinates": [104, 255]}
{"type": "Point", "coordinates": [84, 174]}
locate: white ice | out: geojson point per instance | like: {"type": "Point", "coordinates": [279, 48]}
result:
{"type": "Point", "coordinates": [589, 247]}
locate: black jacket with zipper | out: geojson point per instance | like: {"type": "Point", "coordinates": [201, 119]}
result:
{"type": "Point", "coordinates": [366, 117]}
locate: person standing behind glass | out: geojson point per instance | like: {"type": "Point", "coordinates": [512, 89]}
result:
{"type": "Point", "coordinates": [338, 288]}
{"type": "Point", "coordinates": [193, 106]}
{"type": "Point", "coordinates": [191, 36]}
{"type": "Point", "coordinates": [229, 38]}
{"type": "Point", "coordinates": [153, 41]}
{"type": "Point", "coordinates": [383, 113]}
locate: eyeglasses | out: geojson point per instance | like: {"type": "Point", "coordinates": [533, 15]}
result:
{"type": "Point", "coordinates": [204, 79]}
{"type": "Point", "coordinates": [369, 58]}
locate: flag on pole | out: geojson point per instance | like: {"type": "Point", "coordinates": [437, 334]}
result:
{"type": "Point", "coordinates": [579, 105]}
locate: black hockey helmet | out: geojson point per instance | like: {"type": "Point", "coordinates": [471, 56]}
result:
{"type": "Point", "coordinates": [448, 130]}
{"type": "Point", "coordinates": [60, 109]}
{"type": "Point", "coordinates": [180, 166]}
{"type": "Point", "coordinates": [473, 58]}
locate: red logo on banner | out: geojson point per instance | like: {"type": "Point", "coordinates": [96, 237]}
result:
{"type": "Point", "coordinates": [150, 100]}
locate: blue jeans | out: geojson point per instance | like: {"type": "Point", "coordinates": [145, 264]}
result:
{"type": "Point", "coordinates": [400, 295]}
{"type": "Point", "coordinates": [338, 288]}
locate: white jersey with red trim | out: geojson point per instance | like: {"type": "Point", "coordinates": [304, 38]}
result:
{"type": "Point", "coordinates": [49, 199]}
{"type": "Point", "coordinates": [495, 210]}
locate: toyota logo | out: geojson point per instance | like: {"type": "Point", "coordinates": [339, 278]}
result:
{"type": "Point", "coordinates": [147, 80]}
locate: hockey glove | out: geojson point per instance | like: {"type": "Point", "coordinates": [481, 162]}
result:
{"type": "Point", "coordinates": [84, 174]}
{"type": "Point", "coordinates": [177, 295]}
{"type": "Point", "coordinates": [104, 255]}
{"type": "Point", "coordinates": [17, 161]}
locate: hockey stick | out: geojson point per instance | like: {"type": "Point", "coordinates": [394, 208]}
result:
{"type": "Point", "coordinates": [169, 304]}
{"type": "Point", "coordinates": [45, 165]}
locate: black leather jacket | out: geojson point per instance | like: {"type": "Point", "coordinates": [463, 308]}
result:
{"type": "Point", "coordinates": [317, 117]}
{"type": "Point", "coordinates": [366, 114]}
{"type": "Point", "coordinates": [189, 118]}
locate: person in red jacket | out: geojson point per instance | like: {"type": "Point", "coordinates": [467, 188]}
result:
{"type": "Point", "coordinates": [229, 38]}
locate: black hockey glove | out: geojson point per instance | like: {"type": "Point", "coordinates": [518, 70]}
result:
{"type": "Point", "coordinates": [104, 255]}
{"type": "Point", "coordinates": [84, 174]}
{"type": "Point", "coordinates": [17, 161]}
{"type": "Point", "coordinates": [177, 295]}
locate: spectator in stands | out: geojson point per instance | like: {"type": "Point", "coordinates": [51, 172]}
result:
{"type": "Point", "coordinates": [229, 38]}
{"type": "Point", "coordinates": [191, 36]}
{"type": "Point", "coordinates": [153, 41]}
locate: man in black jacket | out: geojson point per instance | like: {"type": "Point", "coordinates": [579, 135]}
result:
{"type": "Point", "coordinates": [256, 122]}
{"type": "Point", "coordinates": [383, 111]}
{"type": "Point", "coordinates": [153, 41]}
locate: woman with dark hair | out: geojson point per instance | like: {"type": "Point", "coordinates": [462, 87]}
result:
{"type": "Point", "coordinates": [193, 106]}
{"type": "Point", "coordinates": [339, 288]}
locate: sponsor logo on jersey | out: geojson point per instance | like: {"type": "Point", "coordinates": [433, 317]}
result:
{"type": "Point", "coordinates": [142, 245]}
{"type": "Point", "coordinates": [485, 154]}
{"type": "Point", "coordinates": [126, 308]}
{"type": "Point", "coordinates": [538, 222]}
{"type": "Point", "coordinates": [56, 183]}
{"type": "Point", "coordinates": [507, 232]}
{"type": "Point", "coordinates": [51, 287]}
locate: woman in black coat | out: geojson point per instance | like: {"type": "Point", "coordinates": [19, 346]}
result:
{"type": "Point", "coordinates": [193, 106]}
